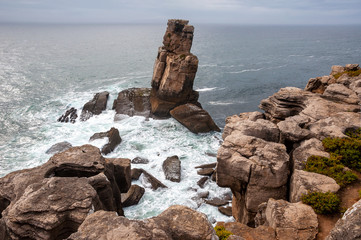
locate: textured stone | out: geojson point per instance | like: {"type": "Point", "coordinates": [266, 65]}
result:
{"type": "Point", "coordinates": [95, 106]}
{"type": "Point", "coordinates": [303, 182]}
{"type": "Point", "coordinates": [242, 230]}
{"type": "Point", "coordinates": [69, 116]}
{"type": "Point", "coordinates": [113, 140]}
{"type": "Point", "coordinates": [133, 196]}
{"type": "Point", "coordinates": [172, 169]}
{"type": "Point", "coordinates": [59, 147]}
{"type": "Point", "coordinates": [151, 181]}
{"type": "Point", "coordinates": [139, 160]}
{"type": "Point", "coordinates": [291, 129]}
{"type": "Point", "coordinates": [133, 102]}
{"type": "Point", "coordinates": [340, 92]}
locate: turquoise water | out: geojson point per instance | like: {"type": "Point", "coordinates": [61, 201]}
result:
{"type": "Point", "coordinates": [45, 69]}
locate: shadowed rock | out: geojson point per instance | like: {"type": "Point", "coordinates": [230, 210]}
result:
{"type": "Point", "coordinates": [95, 106]}
{"type": "Point", "coordinates": [133, 196]}
{"type": "Point", "coordinates": [133, 102]}
{"type": "Point", "coordinates": [113, 139]}
{"type": "Point", "coordinates": [69, 116]}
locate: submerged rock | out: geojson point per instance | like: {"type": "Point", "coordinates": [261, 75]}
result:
{"type": "Point", "coordinates": [95, 106]}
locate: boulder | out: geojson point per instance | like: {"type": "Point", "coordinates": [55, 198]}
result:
{"type": "Point", "coordinates": [290, 220]}
{"type": "Point", "coordinates": [339, 92]}
{"type": "Point", "coordinates": [337, 69]}
{"type": "Point", "coordinates": [303, 182]}
{"type": "Point", "coordinates": [351, 67]}
{"type": "Point", "coordinates": [172, 169]}
{"type": "Point", "coordinates": [69, 116]}
{"type": "Point", "coordinates": [133, 196]}
{"type": "Point", "coordinates": [196, 119]}
{"type": "Point", "coordinates": [59, 147]}
{"type": "Point", "coordinates": [175, 223]}
{"type": "Point", "coordinates": [139, 160]}
{"type": "Point", "coordinates": [149, 180]}
{"type": "Point", "coordinates": [217, 201]}
{"type": "Point", "coordinates": [95, 106]}
{"type": "Point", "coordinates": [349, 226]}
{"type": "Point", "coordinates": [291, 129]}
{"type": "Point", "coordinates": [306, 149]}
{"type": "Point", "coordinates": [245, 232]}
{"type": "Point", "coordinates": [133, 102]}
{"type": "Point", "coordinates": [205, 171]}
{"type": "Point", "coordinates": [113, 139]}
{"type": "Point", "coordinates": [226, 211]}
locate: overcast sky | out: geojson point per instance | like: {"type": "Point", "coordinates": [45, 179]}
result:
{"type": "Point", "coordinates": [197, 11]}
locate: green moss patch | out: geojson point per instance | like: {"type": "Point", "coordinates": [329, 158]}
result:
{"type": "Point", "coordinates": [349, 73]}
{"type": "Point", "coordinates": [322, 203]}
{"type": "Point", "coordinates": [222, 233]}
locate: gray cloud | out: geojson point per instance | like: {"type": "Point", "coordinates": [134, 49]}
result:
{"type": "Point", "coordinates": [200, 11]}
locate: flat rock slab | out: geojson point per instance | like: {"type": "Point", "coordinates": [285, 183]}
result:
{"type": "Point", "coordinates": [217, 202]}
{"type": "Point", "coordinates": [201, 182]}
{"type": "Point", "coordinates": [205, 171]}
{"type": "Point", "coordinates": [225, 210]}
{"type": "Point", "coordinates": [210, 165]}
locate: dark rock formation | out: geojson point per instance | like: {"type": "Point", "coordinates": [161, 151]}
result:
{"type": "Point", "coordinates": [147, 178]}
{"type": "Point", "coordinates": [69, 116]}
{"type": "Point", "coordinates": [139, 160]}
{"type": "Point", "coordinates": [225, 210]}
{"type": "Point", "coordinates": [196, 119]}
{"type": "Point", "coordinates": [205, 171]}
{"type": "Point", "coordinates": [201, 182]}
{"type": "Point", "coordinates": [175, 223]}
{"type": "Point", "coordinates": [95, 106]}
{"type": "Point", "coordinates": [59, 147]}
{"type": "Point", "coordinates": [133, 102]}
{"type": "Point", "coordinates": [217, 201]}
{"type": "Point", "coordinates": [172, 169]}
{"type": "Point", "coordinates": [209, 165]}
{"type": "Point", "coordinates": [349, 226]}
{"type": "Point", "coordinates": [113, 139]}
{"type": "Point", "coordinates": [133, 196]}
{"type": "Point", "coordinates": [52, 200]}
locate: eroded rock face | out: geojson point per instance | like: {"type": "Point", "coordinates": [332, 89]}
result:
{"type": "Point", "coordinates": [133, 102]}
{"type": "Point", "coordinates": [95, 106]}
{"type": "Point", "coordinates": [174, 69]}
{"type": "Point", "coordinates": [349, 226]}
{"type": "Point", "coordinates": [52, 200]}
{"type": "Point", "coordinates": [196, 119]}
{"type": "Point", "coordinates": [175, 223]}
{"type": "Point", "coordinates": [289, 220]}
{"type": "Point", "coordinates": [133, 196]}
{"type": "Point", "coordinates": [303, 182]}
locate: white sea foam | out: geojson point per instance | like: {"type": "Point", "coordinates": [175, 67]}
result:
{"type": "Point", "coordinates": [206, 89]}
{"type": "Point", "coordinates": [248, 70]}
{"type": "Point", "coordinates": [222, 103]}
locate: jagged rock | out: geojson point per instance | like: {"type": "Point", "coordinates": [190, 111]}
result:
{"type": "Point", "coordinates": [172, 169]}
{"type": "Point", "coordinates": [217, 201]}
{"type": "Point", "coordinates": [174, 70]}
{"type": "Point", "coordinates": [290, 220]}
{"type": "Point", "coordinates": [201, 182]}
{"type": "Point", "coordinates": [349, 226]}
{"type": "Point", "coordinates": [139, 160]}
{"type": "Point", "coordinates": [303, 182]}
{"type": "Point", "coordinates": [51, 201]}
{"type": "Point", "coordinates": [242, 230]}
{"type": "Point", "coordinates": [225, 210]}
{"type": "Point", "coordinates": [205, 171]}
{"type": "Point", "coordinates": [133, 101]}
{"type": "Point", "coordinates": [95, 106]}
{"type": "Point", "coordinates": [351, 67]}
{"type": "Point", "coordinates": [209, 165]}
{"type": "Point", "coordinates": [337, 69]}
{"type": "Point", "coordinates": [319, 84]}
{"type": "Point", "coordinates": [306, 149]}
{"type": "Point", "coordinates": [136, 172]}
{"type": "Point", "coordinates": [175, 223]}
{"type": "Point", "coordinates": [196, 119]}
{"type": "Point", "coordinates": [340, 92]}
{"type": "Point", "coordinates": [113, 139]}
{"type": "Point", "coordinates": [254, 169]}
{"type": "Point", "coordinates": [133, 196]}
{"type": "Point", "coordinates": [59, 147]}
{"type": "Point", "coordinates": [291, 129]}
{"type": "Point", "coordinates": [69, 116]}
{"type": "Point", "coordinates": [259, 128]}
{"type": "Point", "coordinates": [151, 181]}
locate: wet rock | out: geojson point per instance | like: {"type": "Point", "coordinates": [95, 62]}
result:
{"type": "Point", "coordinates": [217, 202]}
{"type": "Point", "coordinates": [175, 223]}
{"type": "Point", "coordinates": [201, 182]}
{"type": "Point", "coordinates": [69, 116]}
{"type": "Point", "coordinates": [225, 210]}
{"type": "Point", "coordinates": [205, 171]}
{"type": "Point", "coordinates": [290, 220]}
{"type": "Point", "coordinates": [172, 169]}
{"type": "Point", "coordinates": [303, 182]}
{"type": "Point", "coordinates": [349, 226]}
{"type": "Point", "coordinates": [196, 119]}
{"type": "Point", "coordinates": [58, 147]}
{"type": "Point", "coordinates": [133, 196]}
{"type": "Point", "coordinates": [136, 172]}
{"type": "Point", "coordinates": [203, 194]}
{"type": "Point", "coordinates": [150, 180]}
{"type": "Point", "coordinates": [95, 106]}
{"type": "Point", "coordinates": [113, 139]}
{"type": "Point", "coordinates": [139, 160]}
{"type": "Point", "coordinates": [133, 102]}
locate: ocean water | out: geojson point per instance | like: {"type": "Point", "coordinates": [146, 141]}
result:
{"type": "Point", "coordinates": [46, 69]}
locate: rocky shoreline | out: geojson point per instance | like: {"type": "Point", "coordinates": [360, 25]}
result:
{"type": "Point", "coordinates": [80, 194]}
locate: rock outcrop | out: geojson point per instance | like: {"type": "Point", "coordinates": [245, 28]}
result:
{"type": "Point", "coordinates": [133, 196]}
{"type": "Point", "coordinates": [113, 140]}
{"type": "Point", "coordinates": [175, 223]}
{"type": "Point", "coordinates": [69, 116]}
{"type": "Point", "coordinates": [95, 106]}
{"type": "Point", "coordinates": [133, 102]}
{"type": "Point", "coordinates": [52, 200]}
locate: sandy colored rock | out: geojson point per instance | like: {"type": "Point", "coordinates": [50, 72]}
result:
{"type": "Point", "coordinates": [303, 182]}
{"type": "Point", "coordinates": [291, 129]}
{"type": "Point", "coordinates": [340, 92]}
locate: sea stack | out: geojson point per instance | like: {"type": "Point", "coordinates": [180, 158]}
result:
{"type": "Point", "coordinates": [174, 70]}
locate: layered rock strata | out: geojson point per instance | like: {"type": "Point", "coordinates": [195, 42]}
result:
{"type": "Point", "coordinates": [52, 200]}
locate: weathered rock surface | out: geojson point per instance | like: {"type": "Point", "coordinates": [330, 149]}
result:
{"type": "Point", "coordinates": [303, 182]}
{"type": "Point", "coordinates": [248, 233]}
{"type": "Point", "coordinates": [205, 171]}
{"type": "Point", "coordinates": [133, 196]}
{"type": "Point", "coordinates": [172, 169]}
{"type": "Point", "coordinates": [113, 140]}
{"type": "Point", "coordinates": [133, 102]}
{"type": "Point", "coordinates": [340, 92]}
{"type": "Point", "coordinates": [291, 129]}
{"type": "Point", "coordinates": [95, 106]}
{"type": "Point", "coordinates": [175, 223]}
{"type": "Point", "coordinates": [217, 201]}
{"type": "Point", "coordinates": [290, 220]}
{"type": "Point", "coordinates": [196, 119]}
{"type": "Point", "coordinates": [59, 147]}
{"type": "Point", "coordinates": [69, 116]}
{"type": "Point", "coordinates": [225, 210]}
{"type": "Point", "coordinates": [349, 226]}
{"type": "Point", "coordinates": [52, 200]}
{"type": "Point", "coordinates": [139, 160]}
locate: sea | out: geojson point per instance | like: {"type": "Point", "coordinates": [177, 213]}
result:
{"type": "Point", "coordinates": [46, 69]}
